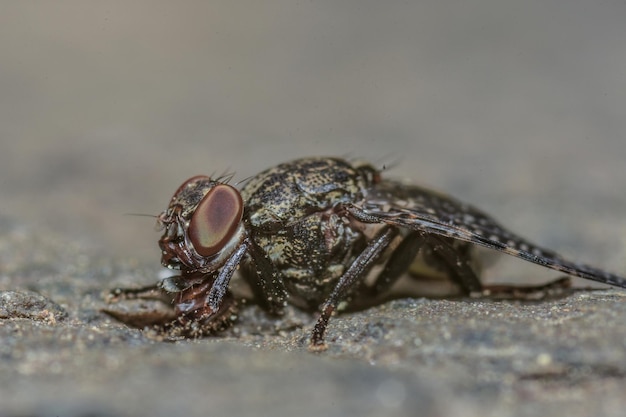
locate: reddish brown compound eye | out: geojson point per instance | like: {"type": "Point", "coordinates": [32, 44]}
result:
{"type": "Point", "coordinates": [215, 220]}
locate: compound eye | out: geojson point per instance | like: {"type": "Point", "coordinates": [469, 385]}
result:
{"type": "Point", "coordinates": [215, 220]}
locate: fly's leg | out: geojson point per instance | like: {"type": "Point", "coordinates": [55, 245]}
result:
{"type": "Point", "coordinates": [551, 289]}
{"type": "Point", "coordinates": [406, 252]}
{"type": "Point", "coordinates": [161, 291]}
{"type": "Point", "coordinates": [195, 318]}
{"type": "Point", "coordinates": [458, 262]}
{"type": "Point", "coordinates": [357, 270]}
{"type": "Point", "coordinates": [398, 263]}
{"type": "Point", "coordinates": [149, 292]}
{"type": "Point", "coordinates": [206, 306]}
{"type": "Point", "coordinates": [220, 285]}
{"type": "Point", "coordinates": [462, 273]}
{"type": "Point", "coordinates": [142, 318]}
{"type": "Point", "coordinates": [202, 303]}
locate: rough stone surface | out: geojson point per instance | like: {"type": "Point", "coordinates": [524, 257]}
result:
{"type": "Point", "coordinates": [441, 357]}
{"type": "Point", "coordinates": [29, 305]}
{"type": "Point", "coordinates": [105, 108]}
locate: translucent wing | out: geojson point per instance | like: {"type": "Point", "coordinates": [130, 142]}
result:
{"type": "Point", "coordinates": [421, 209]}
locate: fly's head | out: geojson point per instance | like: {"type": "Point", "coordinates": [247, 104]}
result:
{"type": "Point", "coordinates": [202, 225]}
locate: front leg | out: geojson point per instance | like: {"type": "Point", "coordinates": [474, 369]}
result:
{"type": "Point", "coordinates": [149, 292]}
{"type": "Point", "coordinates": [163, 290]}
{"type": "Point", "coordinates": [201, 301]}
{"type": "Point", "coordinates": [158, 315]}
{"type": "Point", "coordinates": [194, 317]}
{"type": "Point", "coordinates": [356, 272]}
{"type": "Point", "coordinates": [209, 306]}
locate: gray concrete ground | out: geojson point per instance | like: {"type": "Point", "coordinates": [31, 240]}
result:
{"type": "Point", "coordinates": [105, 108]}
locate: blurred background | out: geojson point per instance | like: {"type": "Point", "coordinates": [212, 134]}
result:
{"type": "Point", "coordinates": [517, 107]}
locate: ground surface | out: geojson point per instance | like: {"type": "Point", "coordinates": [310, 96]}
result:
{"type": "Point", "coordinates": [105, 109]}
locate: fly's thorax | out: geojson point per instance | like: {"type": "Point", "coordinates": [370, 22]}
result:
{"type": "Point", "coordinates": [291, 191]}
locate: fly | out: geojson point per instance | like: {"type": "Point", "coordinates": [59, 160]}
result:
{"type": "Point", "coordinates": [308, 233]}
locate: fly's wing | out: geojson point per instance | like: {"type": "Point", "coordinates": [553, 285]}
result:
{"type": "Point", "coordinates": [421, 209]}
